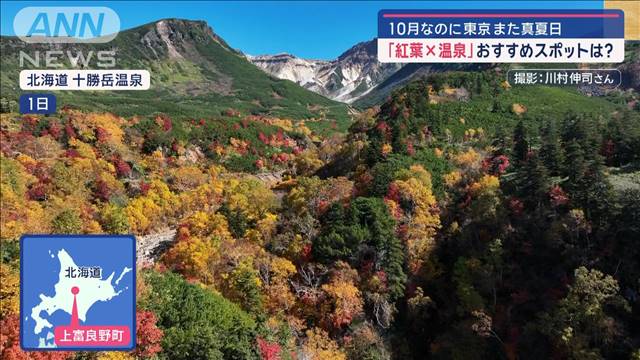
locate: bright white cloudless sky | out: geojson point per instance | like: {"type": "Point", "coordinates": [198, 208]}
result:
{"type": "Point", "coordinates": [308, 29]}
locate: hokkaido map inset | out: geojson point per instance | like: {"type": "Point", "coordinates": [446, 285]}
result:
{"type": "Point", "coordinates": [78, 292]}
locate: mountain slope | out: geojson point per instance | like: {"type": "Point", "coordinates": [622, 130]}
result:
{"type": "Point", "coordinates": [347, 78]}
{"type": "Point", "coordinates": [356, 77]}
{"type": "Point", "coordinates": [194, 73]}
{"type": "Point", "coordinates": [406, 74]}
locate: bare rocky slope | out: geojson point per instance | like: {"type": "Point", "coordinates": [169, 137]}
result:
{"type": "Point", "coordinates": [356, 77]}
{"type": "Point", "coordinates": [347, 78]}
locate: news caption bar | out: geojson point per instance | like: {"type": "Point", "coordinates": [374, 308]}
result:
{"type": "Point", "coordinates": [85, 80]}
{"type": "Point", "coordinates": [501, 36]}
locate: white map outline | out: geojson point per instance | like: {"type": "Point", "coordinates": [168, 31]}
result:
{"type": "Point", "coordinates": [92, 290]}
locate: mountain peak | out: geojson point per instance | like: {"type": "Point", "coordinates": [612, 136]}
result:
{"type": "Point", "coordinates": [175, 34]}
{"type": "Point", "coordinates": [347, 78]}
{"type": "Point", "coordinates": [364, 49]}
{"type": "Point", "coordinates": [280, 56]}
{"type": "Point", "coordinates": [194, 73]}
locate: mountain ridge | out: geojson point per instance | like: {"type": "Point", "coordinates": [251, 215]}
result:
{"type": "Point", "coordinates": [347, 78]}
{"type": "Point", "coordinates": [371, 89]}
{"type": "Point", "coordinates": [194, 72]}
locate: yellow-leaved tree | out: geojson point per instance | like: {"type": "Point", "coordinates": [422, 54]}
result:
{"type": "Point", "coordinates": [150, 211]}
{"type": "Point", "coordinates": [275, 273]}
{"type": "Point", "coordinates": [344, 298]}
{"type": "Point", "coordinates": [9, 291]}
{"type": "Point", "coordinates": [422, 219]}
{"type": "Point", "coordinates": [19, 214]}
{"type": "Point", "coordinates": [196, 250]}
{"type": "Point", "coordinates": [319, 346]}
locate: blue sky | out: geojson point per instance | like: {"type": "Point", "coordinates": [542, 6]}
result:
{"type": "Point", "coordinates": [309, 29]}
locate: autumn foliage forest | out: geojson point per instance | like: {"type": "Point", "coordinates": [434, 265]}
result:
{"type": "Point", "coordinates": [422, 232]}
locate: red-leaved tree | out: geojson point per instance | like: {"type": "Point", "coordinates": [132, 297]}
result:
{"type": "Point", "coordinates": [268, 350]}
{"type": "Point", "coordinates": [10, 343]}
{"type": "Point", "coordinates": [148, 335]}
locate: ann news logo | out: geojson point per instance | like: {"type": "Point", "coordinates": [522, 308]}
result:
{"type": "Point", "coordinates": [66, 24]}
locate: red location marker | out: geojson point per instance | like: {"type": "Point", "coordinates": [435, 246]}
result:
{"type": "Point", "coordinates": [74, 312]}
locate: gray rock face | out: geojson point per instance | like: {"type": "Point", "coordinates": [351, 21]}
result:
{"type": "Point", "coordinates": [151, 247]}
{"type": "Point", "coordinates": [347, 78]}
